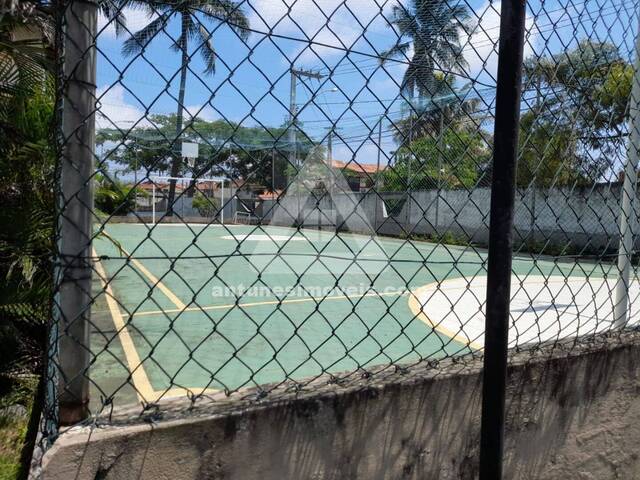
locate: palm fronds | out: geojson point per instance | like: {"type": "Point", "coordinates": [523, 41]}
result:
{"type": "Point", "coordinates": [434, 30]}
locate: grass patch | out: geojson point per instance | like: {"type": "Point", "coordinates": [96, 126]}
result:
{"type": "Point", "coordinates": [13, 427]}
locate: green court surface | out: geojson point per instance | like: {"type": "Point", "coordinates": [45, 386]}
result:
{"type": "Point", "coordinates": [204, 309]}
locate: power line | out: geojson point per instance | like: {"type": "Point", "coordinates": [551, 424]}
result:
{"type": "Point", "coordinates": [551, 26]}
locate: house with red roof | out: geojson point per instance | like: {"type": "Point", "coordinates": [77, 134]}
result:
{"type": "Point", "coordinates": [361, 177]}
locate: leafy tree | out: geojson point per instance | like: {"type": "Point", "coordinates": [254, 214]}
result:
{"type": "Point", "coordinates": [206, 206]}
{"type": "Point", "coordinates": [27, 30]}
{"type": "Point", "coordinates": [578, 118]}
{"type": "Point", "coordinates": [449, 107]}
{"type": "Point", "coordinates": [593, 80]}
{"type": "Point", "coordinates": [254, 154]}
{"type": "Point", "coordinates": [112, 197]}
{"type": "Point", "coordinates": [147, 149]}
{"type": "Point", "coordinates": [433, 30]}
{"type": "Point", "coordinates": [23, 58]}
{"type": "Point", "coordinates": [548, 154]}
{"type": "Point", "coordinates": [112, 11]}
{"type": "Point", "coordinates": [26, 190]}
{"type": "Point", "coordinates": [193, 15]}
{"type": "Point", "coordinates": [452, 161]}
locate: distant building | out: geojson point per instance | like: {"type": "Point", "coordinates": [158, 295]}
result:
{"type": "Point", "coordinates": [146, 200]}
{"type": "Point", "coordinates": [360, 176]}
{"type": "Point", "coordinates": [269, 195]}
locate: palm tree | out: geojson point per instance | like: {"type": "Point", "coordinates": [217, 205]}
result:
{"type": "Point", "coordinates": [26, 55]}
{"type": "Point", "coordinates": [192, 15]}
{"type": "Point", "coordinates": [448, 107]}
{"type": "Point", "coordinates": [112, 10]}
{"type": "Point", "coordinates": [27, 51]}
{"type": "Point", "coordinates": [433, 29]}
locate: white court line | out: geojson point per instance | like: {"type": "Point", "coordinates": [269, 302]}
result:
{"type": "Point", "coordinates": [157, 225]}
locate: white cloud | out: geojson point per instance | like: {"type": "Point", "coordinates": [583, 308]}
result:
{"type": "Point", "coordinates": [206, 113]}
{"type": "Point", "coordinates": [327, 43]}
{"type": "Point", "coordinates": [481, 46]}
{"type": "Point", "coordinates": [135, 20]}
{"type": "Point", "coordinates": [328, 22]}
{"type": "Point", "coordinates": [114, 111]}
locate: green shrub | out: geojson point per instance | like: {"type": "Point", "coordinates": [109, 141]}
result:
{"type": "Point", "coordinates": [206, 206]}
{"type": "Point", "coordinates": [112, 197]}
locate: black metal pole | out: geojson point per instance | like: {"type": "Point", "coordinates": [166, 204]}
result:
{"type": "Point", "coordinates": [509, 86]}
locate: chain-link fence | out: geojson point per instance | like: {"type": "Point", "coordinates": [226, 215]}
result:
{"type": "Point", "coordinates": [256, 195]}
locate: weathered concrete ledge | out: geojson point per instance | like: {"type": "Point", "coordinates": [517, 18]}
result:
{"type": "Point", "coordinates": [573, 413]}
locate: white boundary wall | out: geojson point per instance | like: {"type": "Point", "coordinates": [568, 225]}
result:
{"type": "Point", "coordinates": [584, 217]}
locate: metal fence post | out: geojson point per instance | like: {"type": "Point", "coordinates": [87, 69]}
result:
{"type": "Point", "coordinates": [628, 197]}
{"type": "Point", "coordinates": [75, 206]}
{"type": "Point", "coordinates": [509, 87]}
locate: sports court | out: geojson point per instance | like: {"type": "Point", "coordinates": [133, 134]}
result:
{"type": "Point", "coordinates": [207, 308]}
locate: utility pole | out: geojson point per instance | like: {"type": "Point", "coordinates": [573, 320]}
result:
{"type": "Point", "coordinates": [273, 170]}
{"type": "Point", "coordinates": [330, 165]}
{"type": "Point", "coordinates": [293, 108]}
{"type": "Point", "coordinates": [375, 184]}
{"type": "Point", "coordinates": [293, 113]}
{"type": "Point", "coordinates": [410, 160]}
{"type": "Point", "coordinates": [440, 134]}
{"type": "Point", "coordinates": [532, 223]}
{"type": "Point", "coordinates": [135, 185]}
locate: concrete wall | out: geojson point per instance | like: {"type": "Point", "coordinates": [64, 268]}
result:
{"type": "Point", "coordinates": [573, 413]}
{"type": "Point", "coordinates": [583, 217]}
{"type": "Point", "coordinates": [183, 207]}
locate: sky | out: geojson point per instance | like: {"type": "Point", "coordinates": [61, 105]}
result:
{"type": "Point", "coordinates": [341, 40]}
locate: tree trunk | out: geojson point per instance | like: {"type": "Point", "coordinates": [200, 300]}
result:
{"type": "Point", "coordinates": [177, 155]}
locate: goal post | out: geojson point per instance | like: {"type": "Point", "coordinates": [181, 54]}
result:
{"type": "Point", "coordinates": [189, 180]}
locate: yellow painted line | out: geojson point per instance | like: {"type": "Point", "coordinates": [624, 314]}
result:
{"type": "Point", "coordinates": [417, 309]}
{"type": "Point", "coordinates": [143, 387]}
{"type": "Point", "coordinates": [267, 302]}
{"type": "Point", "coordinates": [155, 281]}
